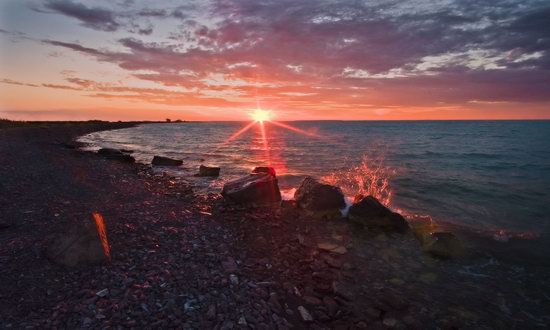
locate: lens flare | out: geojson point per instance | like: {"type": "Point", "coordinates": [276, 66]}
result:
{"type": "Point", "coordinates": [261, 115]}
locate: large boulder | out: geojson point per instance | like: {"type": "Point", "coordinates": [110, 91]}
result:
{"type": "Point", "coordinates": [80, 246]}
{"type": "Point", "coordinates": [369, 212]}
{"type": "Point", "coordinates": [209, 171]}
{"type": "Point", "coordinates": [165, 161]}
{"type": "Point", "coordinates": [443, 245]}
{"type": "Point", "coordinates": [116, 154]}
{"type": "Point", "coordinates": [319, 200]}
{"type": "Point", "coordinates": [254, 189]}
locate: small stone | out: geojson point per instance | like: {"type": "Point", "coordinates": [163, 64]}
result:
{"type": "Point", "coordinates": [331, 247]}
{"type": "Point", "coordinates": [229, 265]}
{"type": "Point", "coordinates": [331, 305]}
{"type": "Point", "coordinates": [343, 290]}
{"type": "Point", "coordinates": [390, 322]}
{"type": "Point", "coordinates": [305, 314]}
{"type": "Point", "coordinates": [234, 279]}
{"type": "Point", "coordinates": [211, 313]}
{"type": "Point", "coordinates": [242, 321]}
{"type": "Point", "coordinates": [312, 300]}
{"type": "Point", "coordinates": [102, 293]}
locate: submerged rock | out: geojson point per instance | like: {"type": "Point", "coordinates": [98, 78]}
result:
{"type": "Point", "coordinates": [209, 171]}
{"type": "Point", "coordinates": [255, 188]}
{"type": "Point", "coordinates": [116, 154]}
{"type": "Point", "coordinates": [80, 246]}
{"type": "Point", "coordinates": [444, 245]}
{"type": "Point", "coordinates": [165, 161]}
{"type": "Point", "coordinates": [319, 200]}
{"type": "Point", "coordinates": [369, 212]}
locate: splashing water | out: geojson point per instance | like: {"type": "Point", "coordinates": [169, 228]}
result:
{"type": "Point", "coordinates": [370, 177]}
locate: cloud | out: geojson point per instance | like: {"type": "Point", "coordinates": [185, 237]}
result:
{"type": "Point", "coordinates": [92, 17]}
{"type": "Point", "coordinates": [298, 54]}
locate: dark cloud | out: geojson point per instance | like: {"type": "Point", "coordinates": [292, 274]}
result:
{"type": "Point", "coordinates": [92, 17]}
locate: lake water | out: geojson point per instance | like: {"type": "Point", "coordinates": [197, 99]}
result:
{"type": "Point", "coordinates": [492, 177]}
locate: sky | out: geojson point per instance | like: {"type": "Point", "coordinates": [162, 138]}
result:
{"type": "Point", "coordinates": [299, 59]}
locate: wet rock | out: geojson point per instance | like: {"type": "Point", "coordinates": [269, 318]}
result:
{"type": "Point", "coordinates": [209, 171]}
{"type": "Point", "coordinates": [256, 189]}
{"type": "Point", "coordinates": [80, 246]}
{"type": "Point", "coordinates": [306, 317]}
{"type": "Point", "coordinates": [165, 161]}
{"type": "Point", "coordinates": [265, 169]}
{"type": "Point", "coordinates": [319, 200]}
{"type": "Point", "coordinates": [116, 154]}
{"type": "Point", "coordinates": [443, 245]}
{"type": "Point", "coordinates": [369, 212]}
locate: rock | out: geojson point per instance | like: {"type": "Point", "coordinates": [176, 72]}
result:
{"type": "Point", "coordinates": [234, 279]}
{"type": "Point", "coordinates": [305, 314]}
{"type": "Point", "coordinates": [289, 211]}
{"type": "Point", "coordinates": [211, 313]}
{"type": "Point", "coordinates": [443, 245]}
{"type": "Point", "coordinates": [242, 321]}
{"type": "Point", "coordinates": [256, 189]}
{"type": "Point", "coordinates": [342, 289]}
{"type": "Point", "coordinates": [265, 169]}
{"type": "Point", "coordinates": [229, 265]}
{"type": "Point", "coordinates": [4, 225]}
{"type": "Point", "coordinates": [209, 171]}
{"type": "Point", "coordinates": [312, 300]}
{"type": "Point", "coordinates": [165, 161]}
{"type": "Point", "coordinates": [331, 305]}
{"type": "Point", "coordinates": [331, 247]}
{"type": "Point", "coordinates": [369, 212]}
{"type": "Point", "coordinates": [116, 154]}
{"type": "Point", "coordinates": [102, 293]}
{"type": "Point", "coordinates": [80, 246]}
{"type": "Point", "coordinates": [319, 200]}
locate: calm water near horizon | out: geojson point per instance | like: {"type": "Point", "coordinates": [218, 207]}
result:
{"type": "Point", "coordinates": [489, 176]}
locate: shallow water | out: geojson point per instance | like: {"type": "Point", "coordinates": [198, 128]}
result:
{"type": "Point", "coordinates": [487, 176]}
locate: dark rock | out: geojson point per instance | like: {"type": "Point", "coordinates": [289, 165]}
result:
{"type": "Point", "coordinates": [289, 210]}
{"type": "Point", "coordinates": [165, 161]}
{"type": "Point", "coordinates": [229, 265]}
{"type": "Point", "coordinates": [369, 212]}
{"type": "Point", "coordinates": [331, 305]}
{"type": "Point", "coordinates": [443, 245]}
{"type": "Point", "coordinates": [256, 188]}
{"type": "Point", "coordinates": [80, 246]}
{"type": "Point", "coordinates": [318, 199]}
{"type": "Point", "coordinates": [342, 289]}
{"type": "Point", "coordinates": [209, 171]}
{"type": "Point", "coordinates": [4, 225]}
{"type": "Point", "coordinates": [116, 154]}
{"type": "Point", "coordinates": [265, 169]}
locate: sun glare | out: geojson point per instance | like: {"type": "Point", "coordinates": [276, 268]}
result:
{"type": "Point", "coordinates": [261, 115]}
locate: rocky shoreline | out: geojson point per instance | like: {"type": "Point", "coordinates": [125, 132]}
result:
{"type": "Point", "coordinates": [180, 260]}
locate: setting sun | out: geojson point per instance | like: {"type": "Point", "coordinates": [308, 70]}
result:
{"type": "Point", "coordinates": [261, 115]}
